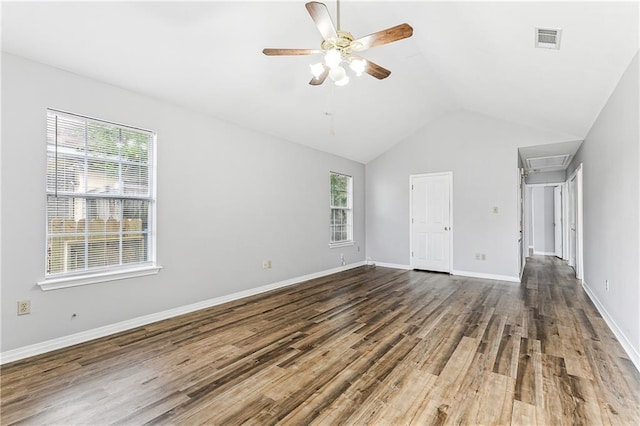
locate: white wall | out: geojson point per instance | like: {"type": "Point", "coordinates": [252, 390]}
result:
{"type": "Point", "coordinates": [227, 199]}
{"type": "Point", "coordinates": [482, 153]}
{"type": "Point", "coordinates": [543, 229]}
{"type": "Point", "coordinates": [610, 158]}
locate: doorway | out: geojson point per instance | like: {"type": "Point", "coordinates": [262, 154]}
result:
{"type": "Point", "coordinates": [562, 234]}
{"type": "Point", "coordinates": [543, 223]}
{"type": "Point", "coordinates": [431, 212]}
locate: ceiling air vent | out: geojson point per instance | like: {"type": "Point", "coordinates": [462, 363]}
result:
{"type": "Point", "coordinates": [548, 38]}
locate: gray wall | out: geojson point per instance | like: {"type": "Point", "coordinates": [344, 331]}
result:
{"type": "Point", "coordinates": [543, 230]}
{"type": "Point", "coordinates": [610, 158]}
{"type": "Point", "coordinates": [482, 153]}
{"type": "Point", "coordinates": [227, 199]}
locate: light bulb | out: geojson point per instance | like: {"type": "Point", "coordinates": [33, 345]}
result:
{"type": "Point", "coordinates": [358, 66]}
{"type": "Point", "coordinates": [337, 73]}
{"type": "Point", "coordinates": [317, 69]}
{"type": "Point", "coordinates": [343, 81]}
{"type": "Point", "coordinates": [333, 58]}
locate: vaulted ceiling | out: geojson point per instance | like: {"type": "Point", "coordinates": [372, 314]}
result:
{"type": "Point", "coordinates": [207, 56]}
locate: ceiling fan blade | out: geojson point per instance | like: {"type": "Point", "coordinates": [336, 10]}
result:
{"type": "Point", "coordinates": [318, 81]}
{"type": "Point", "coordinates": [320, 15]}
{"type": "Point", "coordinates": [277, 52]}
{"type": "Point", "coordinates": [375, 70]}
{"type": "Point", "coordinates": [382, 37]}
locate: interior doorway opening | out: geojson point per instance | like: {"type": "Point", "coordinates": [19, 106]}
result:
{"type": "Point", "coordinates": [552, 214]}
{"type": "Point", "coordinates": [550, 204]}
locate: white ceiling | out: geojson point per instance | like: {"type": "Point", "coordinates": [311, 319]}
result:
{"type": "Point", "coordinates": [206, 56]}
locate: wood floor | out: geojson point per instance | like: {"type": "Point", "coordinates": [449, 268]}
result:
{"type": "Point", "coordinates": [368, 346]}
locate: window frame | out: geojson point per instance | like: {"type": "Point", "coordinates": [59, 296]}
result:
{"type": "Point", "coordinates": [348, 209]}
{"type": "Point", "coordinates": [91, 275]}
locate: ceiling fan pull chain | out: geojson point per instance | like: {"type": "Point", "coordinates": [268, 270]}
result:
{"type": "Point", "coordinates": [338, 14]}
{"type": "Point", "coordinates": [330, 112]}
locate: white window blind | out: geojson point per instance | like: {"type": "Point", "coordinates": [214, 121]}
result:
{"type": "Point", "coordinates": [341, 208]}
{"type": "Point", "coordinates": [100, 195]}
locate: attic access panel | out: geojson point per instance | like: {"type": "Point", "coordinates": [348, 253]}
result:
{"type": "Point", "coordinates": [556, 162]}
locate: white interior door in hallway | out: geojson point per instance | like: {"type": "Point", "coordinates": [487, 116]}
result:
{"type": "Point", "coordinates": [557, 220]}
{"type": "Point", "coordinates": [575, 220]}
{"type": "Point", "coordinates": [431, 212]}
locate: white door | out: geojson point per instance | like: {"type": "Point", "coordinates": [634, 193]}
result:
{"type": "Point", "coordinates": [557, 220]}
{"type": "Point", "coordinates": [565, 221]}
{"type": "Point", "coordinates": [572, 222]}
{"type": "Point", "coordinates": [431, 222]}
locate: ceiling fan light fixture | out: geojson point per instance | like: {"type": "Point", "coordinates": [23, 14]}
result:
{"type": "Point", "coordinates": [338, 73]}
{"type": "Point", "coordinates": [333, 58]}
{"type": "Point", "coordinates": [317, 69]}
{"type": "Point", "coordinates": [357, 66]}
{"type": "Point", "coordinates": [343, 81]}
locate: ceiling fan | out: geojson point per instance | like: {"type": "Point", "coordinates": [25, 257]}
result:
{"type": "Point", "coordinates": [340, 47]}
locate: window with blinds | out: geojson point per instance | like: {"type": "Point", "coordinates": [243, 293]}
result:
{"type": "Point", "coordinates": [100, 195]}
{"type": "Point", "coordinates": [341, 208]}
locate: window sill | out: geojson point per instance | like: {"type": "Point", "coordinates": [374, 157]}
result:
{"type": "Point", "coordinates": [97, 277]}
{"type": "Point", "coordinates": [341, 244]}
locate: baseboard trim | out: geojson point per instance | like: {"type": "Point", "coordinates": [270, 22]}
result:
{"type": "Point", "coordinates": [624, 341]}
{"type": "Point", "coordinates": [494, 277]}
{"type": "Point", "coordinates": [455, 272]}
{"type": "Point", "coordinates": [393, 265]}
{"type": "Point", "coordinates": [85, 336]}
{"type": "Point", "coordinates": [544, 253]}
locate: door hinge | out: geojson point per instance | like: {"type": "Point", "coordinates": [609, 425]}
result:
{"type": "Point", "coordinates": [411, 220]}
{"type": "Point", "coordinates": [411, 254]}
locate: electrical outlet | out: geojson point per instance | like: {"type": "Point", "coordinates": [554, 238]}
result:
{"type": "Point", "coordinates": [480, 256]}
{"type": "Point", "coordinates": [606, 285]}
{"type": "Point", "coordinates": [342, 259]}
{"type": "Point", "coordinates": [24, 307]}
{"type": "Point", "coordinates": [266, 264]}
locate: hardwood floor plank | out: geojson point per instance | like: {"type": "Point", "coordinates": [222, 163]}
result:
{"type": "Point", "coordinates": [523, 414]}
{"type": "Point", "coordinates": [370, 345]}
{"type": "Point", "coordinates": [526, 379]}
{"type": "Point", "coordinates": [498, 389]}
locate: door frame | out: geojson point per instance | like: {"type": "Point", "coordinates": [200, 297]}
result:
{"type": "Point", "coordinates": [565, 221]}
{"type": "Point", "coordinates": [579, 259]}
{"type": "Point", "coordinates": [449, 174]}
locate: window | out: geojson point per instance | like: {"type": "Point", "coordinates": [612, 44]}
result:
{"type": "Point", "coordinates": [100, 198]}
{"type": "Point", "coordinates": [341, 227]}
